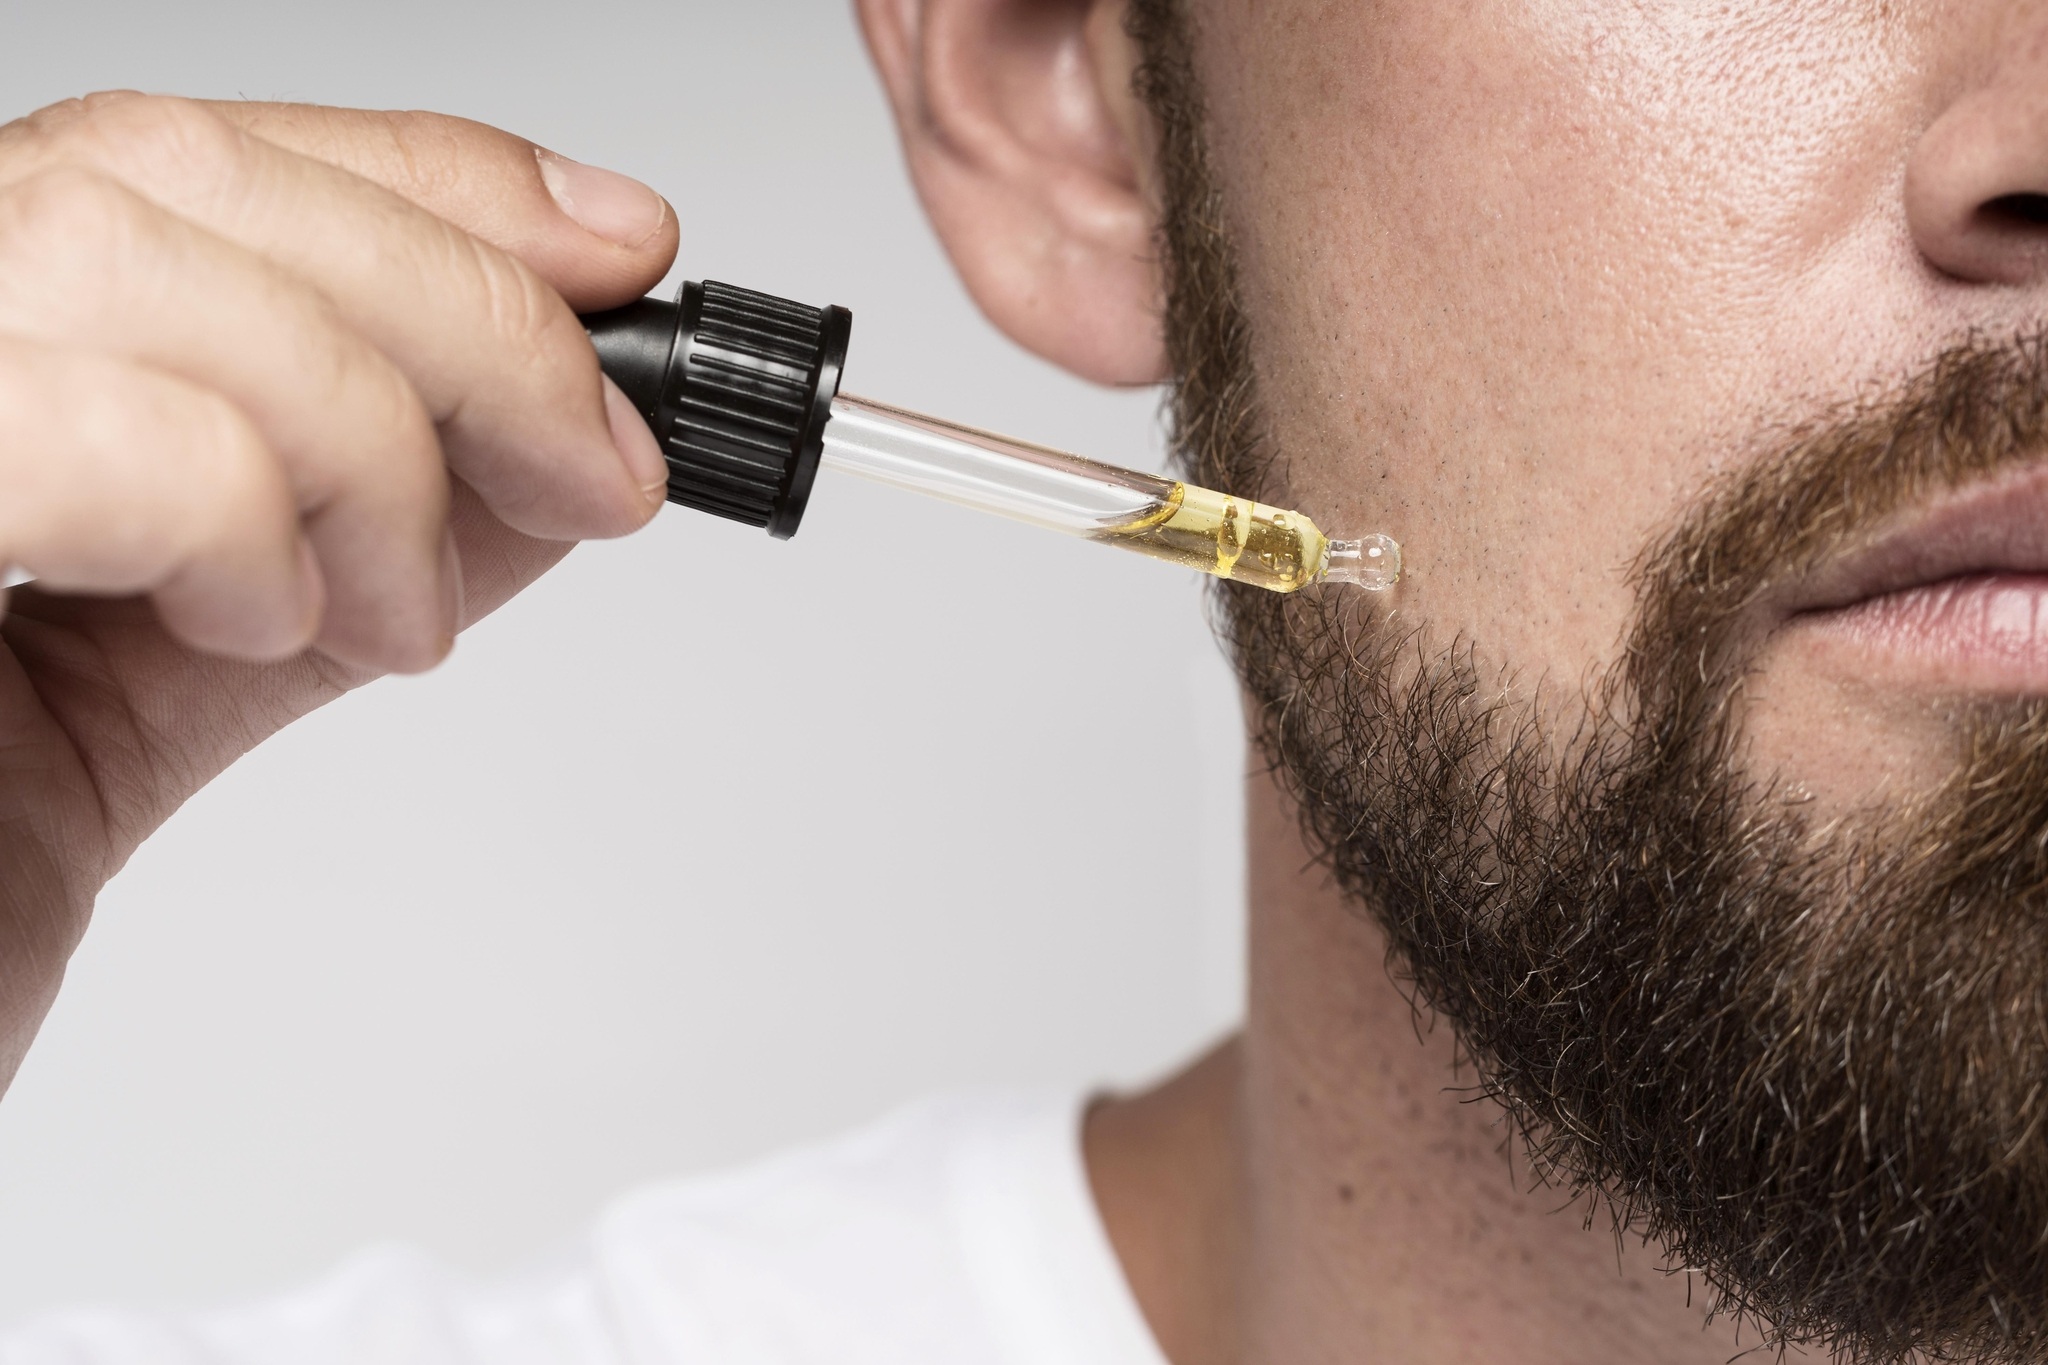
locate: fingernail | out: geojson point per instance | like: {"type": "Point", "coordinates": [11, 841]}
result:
{"type": "Point", "coordinates": [611, 205]}
{"type": "Point", "coordinates": [636, 444]}
{"type": "Point", "coordinates": [451, 592]}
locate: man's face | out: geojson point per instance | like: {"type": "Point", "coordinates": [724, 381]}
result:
{"type": "Point", "coordinates": [1526, 277]}
{"type": "Point", "coordinates": [1700, 769]}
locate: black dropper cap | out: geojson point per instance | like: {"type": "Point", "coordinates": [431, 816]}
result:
{"type": "Point", "coordinates": [737, 386]}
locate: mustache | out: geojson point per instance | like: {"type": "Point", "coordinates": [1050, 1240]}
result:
{"type": "Point", "coordinates": [1978, 410]}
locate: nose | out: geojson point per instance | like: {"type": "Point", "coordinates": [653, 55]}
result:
{"type": "Point", "coordinates": [1977, 180]}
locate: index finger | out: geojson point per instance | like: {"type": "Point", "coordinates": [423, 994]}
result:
{"type": "Point", "coordinates": [493, 185]}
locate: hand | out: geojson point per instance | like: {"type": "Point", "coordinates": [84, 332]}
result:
{"type": "Point", "coordinates": [288, 396]}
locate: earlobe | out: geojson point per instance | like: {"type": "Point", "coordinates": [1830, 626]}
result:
{"type": "Point", "coordinates": [1019, 124]}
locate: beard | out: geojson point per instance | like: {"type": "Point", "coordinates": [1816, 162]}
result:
{"type": "Point", "coordinates": [1810, 1062]}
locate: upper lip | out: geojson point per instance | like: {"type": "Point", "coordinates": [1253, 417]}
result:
{"type": "Point", "coordinates": [1997, 525]}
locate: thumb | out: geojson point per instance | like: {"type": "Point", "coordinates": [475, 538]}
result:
{"type": "Point", "coordinates": [597, 237]}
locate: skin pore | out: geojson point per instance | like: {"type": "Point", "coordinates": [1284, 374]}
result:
{"type": "Point", "coordinates": [1522, 284]}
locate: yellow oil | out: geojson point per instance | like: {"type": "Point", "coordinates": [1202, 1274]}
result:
{"type": "Point", "coordinates": [1230, 537]}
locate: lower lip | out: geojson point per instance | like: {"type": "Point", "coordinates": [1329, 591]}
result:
{"type": "Point", "coordinates": [1983, 632]}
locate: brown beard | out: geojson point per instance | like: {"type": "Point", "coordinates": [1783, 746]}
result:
{"type": "Point", "coordinates": [1812, 1065]}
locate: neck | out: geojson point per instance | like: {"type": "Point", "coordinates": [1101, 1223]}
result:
{"type": "Point", "coordinates": [1325, 1188]}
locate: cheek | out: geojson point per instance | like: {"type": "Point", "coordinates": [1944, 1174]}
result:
{"type": "Point", "coordinates": [1523, 277]}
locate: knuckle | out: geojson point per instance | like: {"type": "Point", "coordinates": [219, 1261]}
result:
{"type": "Point", "coordinates": [67, 221]}
{"type": "Point", "coordinates": [70, 244]}
{"type": "Point", "coordinates": [421, 154]}
{"type": "Point", "coordinates": [399, 458]}
{"type": "Point", "coordinates": [177, 135]}
{"type": "Point", "coordinates": [53, 118]}
{"type": "Point", "coordinates": [527, 316]}
{"type": "Point", "coordinates": [416, 447]}
{"type": "Point", "coordinates": [152, 470]}
{"type": "Point", "coordinates": [176, 139]}
{"type": "Point", "coordinates": [404, 470]}
{"type": "Point", "coordinates": [234, 481]}
{"type": "Point", "coordinates": [25, 131]}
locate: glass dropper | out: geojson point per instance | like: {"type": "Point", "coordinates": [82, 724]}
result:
{"type": "Point", "coordinates": [1232, 538]}
{"type": "Point", "coordinates": [742, 390]}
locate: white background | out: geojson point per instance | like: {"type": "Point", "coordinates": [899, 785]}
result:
{"type": "Point", "coordinates": [706, 844]}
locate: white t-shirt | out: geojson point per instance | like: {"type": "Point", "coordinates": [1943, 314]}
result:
{"type": "Point", "coordinates": [960, 1231]}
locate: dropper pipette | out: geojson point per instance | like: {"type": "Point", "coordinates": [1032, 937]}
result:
{"type": "Point", "coordinates": [742, 390]}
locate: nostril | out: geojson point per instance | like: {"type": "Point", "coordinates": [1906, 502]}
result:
{"type": "Point", "coordinates": [2015, 211]}
{"type": "Point", "coordinates": [1976, 185]}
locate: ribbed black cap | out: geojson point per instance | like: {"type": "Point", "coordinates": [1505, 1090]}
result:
{"type": "Point", "coordinates": [737, 386]}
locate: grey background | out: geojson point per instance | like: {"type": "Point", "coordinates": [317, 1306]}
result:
{"type": "Point", "coordinates": [704, 845]}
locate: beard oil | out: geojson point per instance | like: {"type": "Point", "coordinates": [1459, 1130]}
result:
{"type": "Point", "coordinates": [1250, 542]}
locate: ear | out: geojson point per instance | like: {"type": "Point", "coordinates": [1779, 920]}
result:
{"type": "Point", "coordinates": [1031, 154]}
